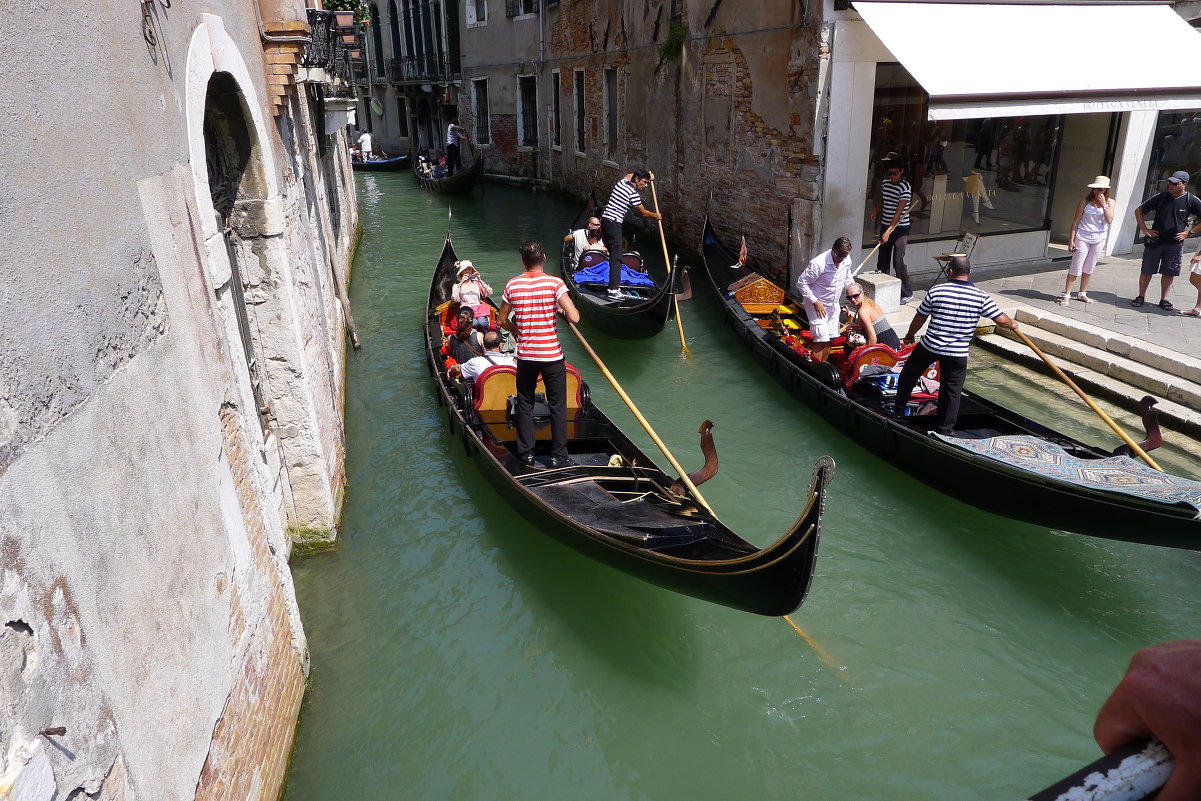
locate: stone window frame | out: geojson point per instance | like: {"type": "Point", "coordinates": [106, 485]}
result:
{"type": "Point", "coordinates": [522, 111]}
{"type": "Point", "coordinates": [556, 114]}
{"type": "Point", "coordinates": [473, 21]}
{"type": "Point", "coordinates": [578, 97]}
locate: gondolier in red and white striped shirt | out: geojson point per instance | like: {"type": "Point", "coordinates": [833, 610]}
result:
{"type": "Point", "coordinates": [534, 298]}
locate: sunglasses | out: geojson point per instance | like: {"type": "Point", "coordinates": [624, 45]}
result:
{"type": "Point", "coordinates": [855, 297]}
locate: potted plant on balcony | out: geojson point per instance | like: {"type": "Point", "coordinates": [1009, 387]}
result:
{"type": "Point", "coordinates": [348, 12]}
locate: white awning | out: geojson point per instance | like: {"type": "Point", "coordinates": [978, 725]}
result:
{"type": "Point", "coordinates": [1016, 58]}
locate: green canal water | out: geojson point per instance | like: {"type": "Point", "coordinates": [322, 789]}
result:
{"type": "Point", "coordinates": [459, 653]}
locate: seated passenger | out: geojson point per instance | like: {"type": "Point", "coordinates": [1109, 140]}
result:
{"type": "Point", "coordinates": [464, 343]}
{"type": "Point", "coordinates": [470, 291]}
{"type": "Point", "coordinates": [471, 369]}
{"type": "Point", "coordinates": [586, 238]}
{"type": "Point", "coordinates": [870, 320]}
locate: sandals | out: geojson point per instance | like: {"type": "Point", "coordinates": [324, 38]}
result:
{"type": "Point", "coordinates": [1084, 298]}
{"type": "Point", "coordinates": [1190, 312]}
{"type": "Point", "coordinates": [1064, 299]}
{"type": "Point", "coordinates": [1137, 301]}
{"type": "Point", "coordinates": [1166, 305]}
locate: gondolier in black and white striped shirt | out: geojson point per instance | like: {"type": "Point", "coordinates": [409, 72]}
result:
{"type": "Point", "coordinates": [625, 196]}
{"type": "Point", "coordinates": [892, 212]}
{"type": "Point", "coordinates": [954, 309]}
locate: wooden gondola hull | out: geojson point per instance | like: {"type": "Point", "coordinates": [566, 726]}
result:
{"type": "Point", "coordinates": [396, 164]}
{"type": "Point", "coordinates": [460, 183]}
{"type": "Point", "coordinates": [678, 545]}
{"type": "Point", "coordinates": [988, 484]}
{"type": "Point", "coordinates": [624, 319]}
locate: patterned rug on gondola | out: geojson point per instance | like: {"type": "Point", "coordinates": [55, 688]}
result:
{"type": "Point", "coordinates": [1115, 474]}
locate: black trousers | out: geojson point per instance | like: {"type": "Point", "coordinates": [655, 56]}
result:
{"type": "Point", "coordinates": [952, 374]}
{"type": "Point", "coordinates": [611, 234]}
{"type": "Point", "coordinates": [554, 376]}
{"type": "Point", "coordinates": [454, 159]}
{"type": "Point", "coordinates": [892, 253]}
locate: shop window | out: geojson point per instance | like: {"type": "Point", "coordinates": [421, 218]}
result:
{"type": "Point", "coordinates": [988, 175]}
{"type": "Point", "coordinates": [1176, 146]}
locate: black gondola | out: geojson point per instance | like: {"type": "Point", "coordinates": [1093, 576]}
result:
{"type": "Point", "coordinates": [996, 459]}
{"type": "Point", "coordinates": [642, 312]}
{"type": "Point", "coordinates": [460, 183]}
{"type": "Point", "coordinates": [394, 164]}
{"type": "Point", "coordinates": [614, 504]}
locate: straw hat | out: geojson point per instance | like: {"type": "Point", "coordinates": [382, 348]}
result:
{"type": "Point", "coordinates": [1100, 182]}
{"type": "Point", "coordinates": [464, 266]}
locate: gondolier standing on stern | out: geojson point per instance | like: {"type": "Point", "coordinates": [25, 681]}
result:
{"type": "Point", "coordinates": [454, 155]}
{"type": "Point", "coordinates": [534, 297]}
{"type": "Point", "coordinates": [954, 309]}
{"type": "Point", "coordinates": [625, 196]}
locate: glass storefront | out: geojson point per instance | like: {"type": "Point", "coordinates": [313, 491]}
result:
{"type": "Point", "coordinates": [1176, 146]}
{"type": "Point", "coordinates": [989, 175]}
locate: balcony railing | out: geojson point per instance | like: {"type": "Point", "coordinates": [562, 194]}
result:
{"type": "Point", "coordinates": [415, 69]}
{"type": "Point", "coordinates": [331, 48]}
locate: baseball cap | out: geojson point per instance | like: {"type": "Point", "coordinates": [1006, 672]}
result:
{"type": "Point", "coordinates": [1178, 177]}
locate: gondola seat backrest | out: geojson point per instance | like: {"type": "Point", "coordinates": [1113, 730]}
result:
{"type": "Point", "coordinates": [495, 385]}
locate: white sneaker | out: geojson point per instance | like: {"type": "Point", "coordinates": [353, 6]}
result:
{"type": "Point", "coordinates": [615, 294]}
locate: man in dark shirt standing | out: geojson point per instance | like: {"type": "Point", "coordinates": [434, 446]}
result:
{"type": "Point", "coordinates": [1163, 247]}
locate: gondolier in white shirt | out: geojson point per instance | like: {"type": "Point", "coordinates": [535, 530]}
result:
{"type": "Point", "coordinates": [954, 309]}
{"type": "Point", "coordinates": [365, 148]}
{"type": "Point", "coordinates": [821, 285]}
{"type": "Point", "coordinates": [454, 157]}
{"type": "Point", "coordinates": [625, 196]}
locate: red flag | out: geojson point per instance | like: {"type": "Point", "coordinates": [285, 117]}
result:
{"type": "Point", "coordinates": [742, 253]}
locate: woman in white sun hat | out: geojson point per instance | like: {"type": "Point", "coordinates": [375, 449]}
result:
{"type": "Point", "coordinates": [1089, 229]}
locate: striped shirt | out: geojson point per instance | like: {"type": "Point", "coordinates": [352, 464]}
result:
{"type": "Point", "coordinates": [893, 194]}
{"type": "Point", "coordinates": [954, 309]}
{"type": "Point", "coordinates": [625, 196]}
{"type": "Point", "coordinates": [534, 298]}
{"type": "Point", "coordinates": [452, 134]}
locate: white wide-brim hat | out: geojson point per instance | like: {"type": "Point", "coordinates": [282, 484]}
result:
{"type": "Point", "coordinates": [1100, 182]}
{"type": "Point", "coordinates": [464, 266]}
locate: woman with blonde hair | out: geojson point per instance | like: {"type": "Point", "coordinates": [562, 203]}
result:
{"type": "Point", "coordinates": [870, 319]}
{"type": "Point", "coordinates": [1089, 228]}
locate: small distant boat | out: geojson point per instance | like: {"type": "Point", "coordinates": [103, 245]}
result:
{"type": "Point", "coordinates": [460, 183]}
{"type": "Point", "coordinates": [394, 164]}
{"type": "Point", "coordinates": [613, 504]}
{"type": "Point", "coordinates": [641, 311]}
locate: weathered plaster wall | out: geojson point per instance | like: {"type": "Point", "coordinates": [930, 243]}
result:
{"type": "Point", "coordinates": [145, 600]}
{"type": "Point", "coordinates": [727, 124]}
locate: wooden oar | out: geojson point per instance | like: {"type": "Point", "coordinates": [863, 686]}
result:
{"type": "Point", "coordinates": [1104, 417]}
{"type": "Point", "coordinates": [642, 420]}
{"type": "Point", "coordinates": [667, 260]}
{"type": "Point", "coordinates": [1132, 773]}
{"type": "Point", "coordinates": [855, 272]}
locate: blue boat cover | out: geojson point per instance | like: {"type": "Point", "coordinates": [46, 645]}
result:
{"type": "Point", "coordinates": [1116, 474]}
{"type": "Point", "coordinates": [599, 274]}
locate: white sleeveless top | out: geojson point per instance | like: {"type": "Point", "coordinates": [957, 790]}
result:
{"type": "Point", "coordinates": [1092, 225]}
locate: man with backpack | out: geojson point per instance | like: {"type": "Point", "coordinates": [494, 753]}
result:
{"type": "Point", "coordinates": [1163, 246]}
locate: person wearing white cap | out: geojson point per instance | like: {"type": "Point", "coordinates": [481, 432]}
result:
{"type": "Point", "coordinates": [1089, 228]}
{"type": "Point", "coordinates": [471, 290]}
{"type": "Point", "coordinates": [1163, 247]}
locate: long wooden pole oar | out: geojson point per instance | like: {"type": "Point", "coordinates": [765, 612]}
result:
{"type": "Point", "coordinates": [1104, 417]}
{"type": "Point", "coordinates": [642, 420]}
{"type": "Point", "coordinates": [667, 260]}
{"type": "Point", "coordinates": [1134, 772]}
{"type": "Point", "coordinates": [855, 272]}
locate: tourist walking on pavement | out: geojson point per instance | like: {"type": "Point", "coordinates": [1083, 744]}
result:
{"type": "Point", "coordinates": [892, 212]}
{"type": "Point", "coordinates": [1163, 247]}
{"type": "Point", "coordinates": [454, 156]}
{"type": "Point", "coordinates": [534, 298]}
{"type": "Point", "coordinates": [1089, 228]}
{"type": "Point", "coordinates": [954, 309]}
{"type": "Point", "coordinates": [624, 197]}
{"type": "Point", "coordinates": [821, 284]}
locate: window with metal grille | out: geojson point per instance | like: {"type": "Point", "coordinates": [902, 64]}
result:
{"type": "Point", "coordinates": [556, 82]}
{"type": "Point", "coordinates": [611, 113]}
{"type": "Point", "coordinates": [479, 97]}
{"type": "Point", "coordinates": [527, 109]}
{"type": "Point", "coordinates": [516, 8]}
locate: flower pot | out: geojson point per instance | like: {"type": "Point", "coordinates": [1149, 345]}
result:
{"type": "Point", "coordinates": [344, 19]}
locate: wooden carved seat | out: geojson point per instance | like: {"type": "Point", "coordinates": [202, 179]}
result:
{"type": "Point", "coordinates": [494, 387]}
